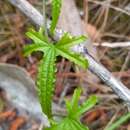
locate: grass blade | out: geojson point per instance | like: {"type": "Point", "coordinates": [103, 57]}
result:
{"type": "Point", "coordinates": [119, 122]}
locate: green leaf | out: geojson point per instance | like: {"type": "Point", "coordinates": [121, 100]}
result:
{"type": "Point", "coordinates": [68, 105]}
{"type": "Point", "coordinates": [119, 122]}
{"type": "Point", "coordinates": [75, 99]}
{"type": "Point", "coordinates": [37, 37]}
{"type": "Point", "coordinates": [86, 105]}
{"type": "Point", "coordinates": [76, 58]}
{"type": "Point", "coordinates": [46, 79]}
{"type": "Point", "coordinates": [56, 7]}
{"type": "Point", "coordinates": [68, 124]}
{"type": "Point", "coordinates": [68, 41]}
{"type": "Point", "coordinates": [28, 49]}
{"type": "Point", "coordinates": [73, 106]}
{"type": "Point", "coordinates": [74, 109]}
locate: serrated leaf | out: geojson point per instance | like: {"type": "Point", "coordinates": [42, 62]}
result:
{"type": "Point", "coordinates": [73, 106]}
{"type": "Point", "coordinates": [68, 105]}
{"type": "Point", "coordinates": [86, 105]}
{"type": "Point", "coordinates": [68, 124]}
{"type": "Point", "coordinates": [46, 79]}
{"type": "Point", "coordinates": [28, 49]}
{"type": "Point", "coordinates": [56, 7]}
{"type": "Point", "coordinates": [68, 41]}
{"type": "Point", "coordinates": [37, 37]}
{"type": "Point", "coordinates": [75, 99]}
{"type": "Point", "coordinates": [74, 57]}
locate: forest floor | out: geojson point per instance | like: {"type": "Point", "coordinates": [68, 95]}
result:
{"type": "Point", "coordinates": [103, 24]}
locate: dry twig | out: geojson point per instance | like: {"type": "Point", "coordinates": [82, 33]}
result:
{"type": "Point", "coordinates": [113, 45]}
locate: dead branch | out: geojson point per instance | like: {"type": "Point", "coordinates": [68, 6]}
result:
{"type": "Point", "coordinates": [121, 90]}
{"type": "Point", "coordinates": [113, 45]}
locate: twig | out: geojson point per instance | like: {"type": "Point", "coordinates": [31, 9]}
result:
{"type": "Point", "coordinates": [113, 45]}
{"type": "Point", "coordinates": [29, 11]}
{"type": "Point", "coordinates": [44, 17]}
{"type": "Point", "coordinates": [124, 64]}
{"type": "Point", "coordinates": [110, 6]}
{"type": "Point", "coordinates": [122, 91]}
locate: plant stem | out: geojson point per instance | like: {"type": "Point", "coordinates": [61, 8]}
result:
{"type": "Point", "coordinates": [44, 17]}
